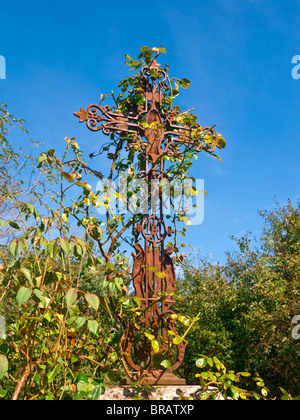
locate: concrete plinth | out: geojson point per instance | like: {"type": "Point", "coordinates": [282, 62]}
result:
{"type": "Point", "coordinates": [170, 392]}
{"type": "Point", "coordinates": [163, 379]}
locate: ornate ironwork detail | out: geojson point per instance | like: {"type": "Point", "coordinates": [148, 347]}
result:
{"type": "Point", "coordinates": [156, 133]}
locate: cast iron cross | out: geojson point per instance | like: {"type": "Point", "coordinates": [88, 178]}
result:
{"type": "Point", "coordinates": [156, 134]}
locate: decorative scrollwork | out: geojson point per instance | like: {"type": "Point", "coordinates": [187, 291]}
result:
{"type": "Point", "coordinates": [154, 133]}
{"type": "Point", "coordinates": [98, 118]}
{"type": "Point", "coordinates": [154, 229]}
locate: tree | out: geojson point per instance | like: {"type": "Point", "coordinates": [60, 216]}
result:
{"type": "Point", "coordinates": [248, 305]}
{"type": "Point", "coordinates": [204, 290]}
{"type": "Point", "coordinates": [267, 281]}
{"type": "Point", "coordinates": [64, 334]}
{"type": "Point", "coordinates": [20, 180]}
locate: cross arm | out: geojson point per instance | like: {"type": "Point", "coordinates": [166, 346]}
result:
{"type": "Point", "coordinates": [98, 118]}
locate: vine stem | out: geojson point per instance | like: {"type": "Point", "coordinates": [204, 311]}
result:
{"type": "Point", "coordinates": [23, 379]}
{"type": "Point", "coordinates": [189, 328]}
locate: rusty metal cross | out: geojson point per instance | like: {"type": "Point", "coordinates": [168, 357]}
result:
{"type": "Point", "coordinates": [156, 133]}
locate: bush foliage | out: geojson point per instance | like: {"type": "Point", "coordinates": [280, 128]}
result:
{"type": "Point", "coordinates": [247, 306]}
{"type": "Point", "coordinates": [66, 285]}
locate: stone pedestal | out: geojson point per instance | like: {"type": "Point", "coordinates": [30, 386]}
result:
{"type": "Point", "coordinates": [171, 392]}
{"type": "Point", "coordinates": [158, 379]}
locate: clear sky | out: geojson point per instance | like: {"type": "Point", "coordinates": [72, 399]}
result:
{"type": "Point", "coordinates": [61, 55]}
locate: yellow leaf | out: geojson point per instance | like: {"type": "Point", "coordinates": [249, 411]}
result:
{"type": "Point", "coordinates": [67, 176]}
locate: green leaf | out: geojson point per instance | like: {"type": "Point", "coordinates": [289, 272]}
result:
{"type": "Point", "coordinates": [3, 393]}
{"type": "Point", "coordinates": [14, 225]}
{"type": "Point", "coordinates": [39, 294]}
{"type": "Point", "coordinates": [71, 297]}
{"type": "Point", "coordinates": [216, 157]}
{"type": "Point", "coordinates": [161, 275]}
{"type": "Point", "coordinates": [74, 359]}
{"type": "Point", "coordinates": [201, 363]}
{"type": "Point", "coordinates": [42, 158]}
{"type": "Point", "coordinates": [52, 249]}
{"type": "Point", "coordinates": [80, 321]}
{"type": "Point", "coordinates": [84, 387]}
{"type": "Point", "coordinates": [3, 223]}
{"type": "Point", "coordinates": [166, 364]}
{"type": "Point", "coordinates": [3, 366]}
{"type": "Point", "coordinates": [111, 287]}
{"type": "Point", "coordinates": [100, 261]}
{"type": "Point", "coordinates": [235, 393]}
{"type": "Point", "coordinates": [53, 373]}
{"type": "Point", "coordinates": [118, 283]}
{"type": "Point", "coordinates": [218, 364]}
{"type": "Point", "coordinates": [204, 375]}
{"type": "Point", "coordinates": [185, 83]}
{"type": "Point", "coordinates": [24, 246]}
{"type": "Point", "coordinates": [82, 377]}
{"type": "Point", "coordinates": [150, 336]}
{"type": "Point", "coordinates": [67, 176]}
{"type": "Point", "coordinates": [97, 233]}
{"type": "Point", "coordinates": [66, 246]}
{"type": "Point", "coordinates": [79, 251]}
{"type": "Point", "coordinates": [222, 143]}
{"type": "Point", "coordinates": [260, 384]}
{"type": "Point", "coordinates": [284, 392]}
{"type": "Point", "coordinates": [155, 346]}
{"type": "Point", "coordinates": [245, 374]}
{"type": "Point", "coordinates": [93, 327]}
{"type": "Point", "coordinates": [97, 392]}
{"type": "Point", "coordinates": [177, 340]}
{"type": "Point", "coordinates": [14, 247]}
{"type": "Point", "coordinates": [27, 274]}
{"type": "Point", "coordinates": [128, 57]}
{"type": "Point", "coordinates": [23, 295]}
{"type": "Point", "coordinates": [104, 305]}
{"type": "Point", "coordinates": [105, 283]}
{"type": "Point", "coordinates": [92, 300]}
{"type": "Point", "coordinates": [109, 268]}
{"type": "Point", "coordinates": [113, 356]}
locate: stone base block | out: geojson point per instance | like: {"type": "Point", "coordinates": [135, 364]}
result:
{"type": "Point", "coordinates": [170, 392]}
{"type": "Point", "coordinates": [167, 378]}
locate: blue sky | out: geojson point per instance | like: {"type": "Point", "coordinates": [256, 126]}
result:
{"type": "Point", "coordinates": [237, 54]}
